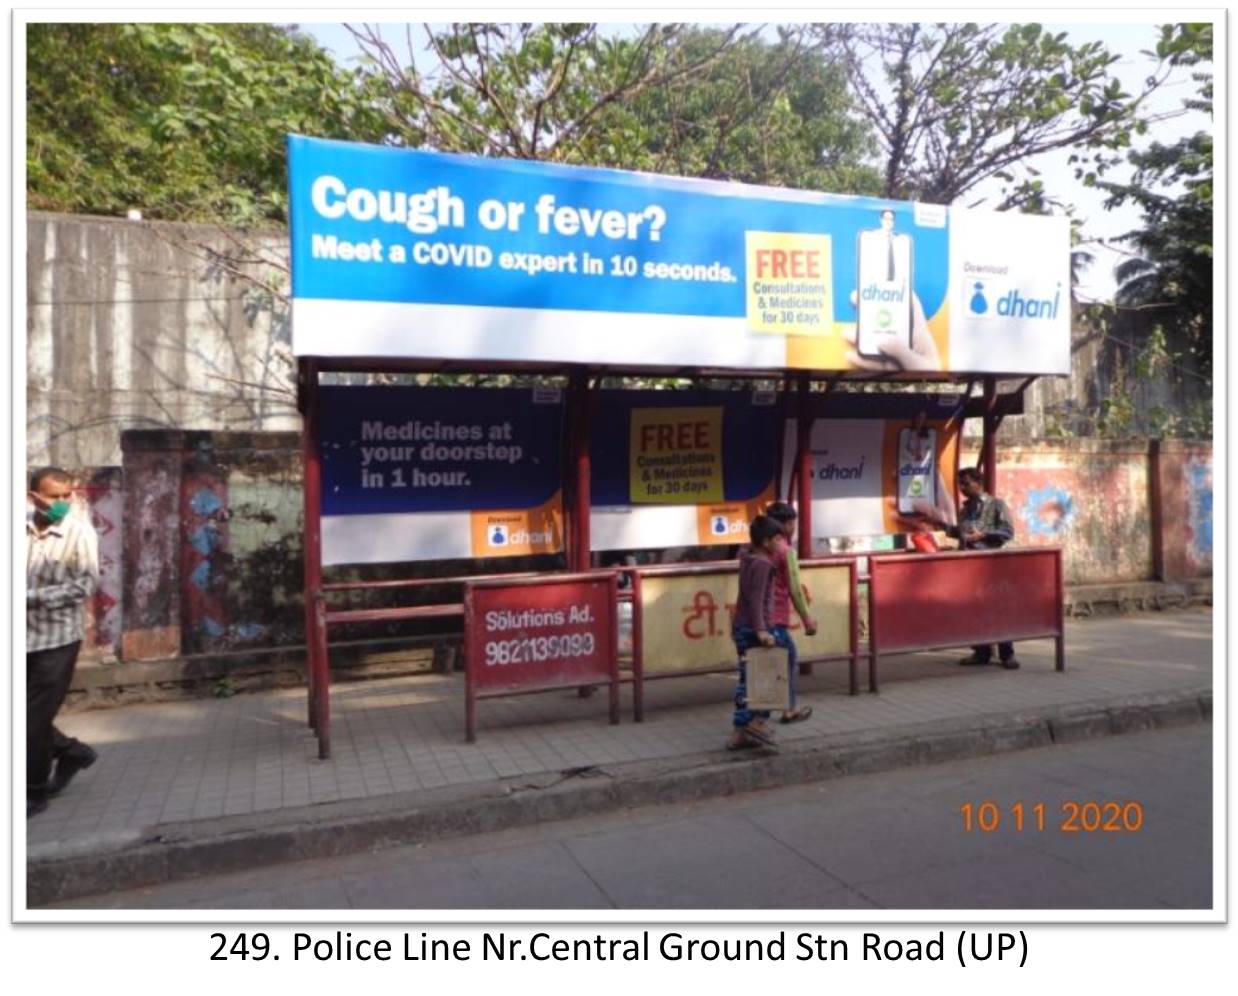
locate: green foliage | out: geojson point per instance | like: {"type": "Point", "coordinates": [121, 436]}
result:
{"type": "Point", "coordinates": [1117, 415]}
{"type": "Point", "coordinates": [528, 91]}
{"type": "Point", "coordinates": [699, 102]}
{"type": "Point", "coordinates": [1153, 359]}
{"type": "Point", "coordinates": [956, 104]}
{"type": "Point", "coordinates": [1141, 373]}
{"type": "Point", "coordinates": [1171, 273]}
{"type": "Point", "coordinates": [769, 113]}
{"type": "Point", "coordinates": [182, 121]}
{"type": "Point", "coordinates": [1057, 426]}
{"type": "Point", "coordinates": [1197, 422]}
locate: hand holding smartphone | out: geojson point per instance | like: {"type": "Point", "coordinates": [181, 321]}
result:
{"type": "Point", "coordinates": [884, 289]}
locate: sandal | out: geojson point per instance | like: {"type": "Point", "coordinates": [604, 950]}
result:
{"type": "Point", "coordinates": [760, 734]}
{"type": "Point", "coordinates": [796, 715]}
{"type": "Point", "coordinates": [741, 741]}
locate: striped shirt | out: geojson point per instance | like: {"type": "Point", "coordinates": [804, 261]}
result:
{"type": "Point", "coordinates": [62, 571]}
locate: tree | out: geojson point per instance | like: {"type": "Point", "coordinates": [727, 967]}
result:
{"type": "Point", "coordinates": [182, 121]}
{"type": "Point", "coordinates": [526, 91]}
{"type": "Point", "coordinates": [1171, 275]}
{"type": "Point", "coordinates": [956, 104]}
{"type": "Point", "coordinates": [720, 103]}
{"type": "Point", "coordinates": [770, 112]}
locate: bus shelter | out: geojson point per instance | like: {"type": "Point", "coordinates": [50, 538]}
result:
{"type": "Point", "coordinates": [573, 279]}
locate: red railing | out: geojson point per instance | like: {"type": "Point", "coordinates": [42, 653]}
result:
{"type": "Point", "coordinates": [963, 598]}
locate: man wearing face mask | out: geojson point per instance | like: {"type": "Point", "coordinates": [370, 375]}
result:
{"type": "Point", "coordinates": [62, 571]}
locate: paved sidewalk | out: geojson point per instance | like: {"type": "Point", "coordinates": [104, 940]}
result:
{"type": "Point", "coordinates": [201, 760]}
{"type": "Point", "coordinates": [893, 840]}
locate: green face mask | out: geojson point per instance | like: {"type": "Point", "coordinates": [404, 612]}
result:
{"type": "Point", "coordinates": [56, 511]}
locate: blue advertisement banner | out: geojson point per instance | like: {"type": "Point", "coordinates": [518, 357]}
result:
{"type": "Point", "coordinates": [395, 225]}
{"type": "Point", "coordinates": [428, 256]}
{"type": "Point", "coordinates": [424, 449]}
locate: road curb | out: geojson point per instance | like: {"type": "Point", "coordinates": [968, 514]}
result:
{"type": "Point", "coordinates": [169, 852]}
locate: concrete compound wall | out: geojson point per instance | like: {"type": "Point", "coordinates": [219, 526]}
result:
{"type": "Point", "coordinates": [213, 543]}
{"type": "Point", "coordinates": [1090, 497]}
{"type": "Point", "coordinates": [1121, 510]}
{"type": "Point", "coordinates": [149, 325]}
{"type": "Point", "coordinates": [1186, 501]}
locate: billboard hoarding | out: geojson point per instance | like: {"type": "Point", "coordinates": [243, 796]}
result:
{"type": "Point", "coordinates": [433, 256]}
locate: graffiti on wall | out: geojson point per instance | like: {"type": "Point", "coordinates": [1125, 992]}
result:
{"type": "Point", "coordinates": [101, 493]}
{"type": "Point", "coordinates": [220, 611]}
{"type": "Point", "coordinates": [204, 517]}
{"type": "Point", "coordinates": [1048, 511]}
{"type": "Point", "coordinates": [1199, 512]}
{"type": "Point", "coordinates": [264, 545]}
{"type": "Point", "coordinates": [1094, 508]}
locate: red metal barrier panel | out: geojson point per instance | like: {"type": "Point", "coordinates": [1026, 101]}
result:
{"type": "Point", "coordinates": [540, 634]}
{"type": "Point", "coordinates": [926, 601]}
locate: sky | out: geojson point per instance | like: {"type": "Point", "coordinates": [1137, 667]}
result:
{"type": "Point", "coordinates": [1099, 226]}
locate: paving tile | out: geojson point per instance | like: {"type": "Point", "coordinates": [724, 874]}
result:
{"type": "Point", "coordinates": [189, 760]}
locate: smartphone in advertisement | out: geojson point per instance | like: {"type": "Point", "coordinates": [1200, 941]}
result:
{"type": "Point", "coordinates": [883, 287]}
{"type": "Point", "coordinates": [917, 470]}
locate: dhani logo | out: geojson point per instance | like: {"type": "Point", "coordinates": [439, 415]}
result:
{"type": "Point", "coordinates": [500, 535]}
{"type": "Point", "coordinates": [1012, 304]}
{"type": "Point", "coordinates": [875, 292]}
{"type": "Point", "coordinates": [721, 525]}
{"type": "Point", "coordinates": [836, 472]}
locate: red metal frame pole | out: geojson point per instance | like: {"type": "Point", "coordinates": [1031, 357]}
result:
{"type": "Point", "coordinates": [315, 624]}
{"type": "Point", "coordinates": [872, 627]}
{"type": "Point", "coordinates": [567, 478]}
{"type": "Point", "coordinates": [803, 459]}
{"type": "Point", "coordinates": [470, 652]}
{"type": "Point", "coordinates": [989, 445]}
{"type": "Point", "coordinates": [311, 546]}
{"type": "Point", "coordinates": [1059, 644]}
{"type": "Point", "coordinates": [322, 685]}
{"type": "Point", "coordinates": [613, 640]}
{"type": "Point", "coordinates": [638, 652]}
{"type": "Point", "coordinates": [803, 501]}
{"type": "Point", "coordinates": [579, 403]}
{"type": "Point", "coordinates": [583, 471]}
{"type": "Point", "coordinates": [853, 621]}
{"type": "Point", "coordinates": [780, 455]}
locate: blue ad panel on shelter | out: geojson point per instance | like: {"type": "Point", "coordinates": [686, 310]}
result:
{"type": "Point", "coordinates": [438, 473]}
{"type": "Point", "coordinates": [434, 256]}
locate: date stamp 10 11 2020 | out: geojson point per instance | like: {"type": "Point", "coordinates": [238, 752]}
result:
{"type": "Point", "coordinates": [1070, 817]}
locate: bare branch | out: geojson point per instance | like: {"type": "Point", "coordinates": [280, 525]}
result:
{"type": "Point", "coordinates": [631, 85]}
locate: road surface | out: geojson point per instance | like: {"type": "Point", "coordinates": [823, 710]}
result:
{"type": "Point", "coordinates": [895, 840]}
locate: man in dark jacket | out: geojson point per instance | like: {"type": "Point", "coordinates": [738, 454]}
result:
{"type": "Point", "coordinates": [984, 524]}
